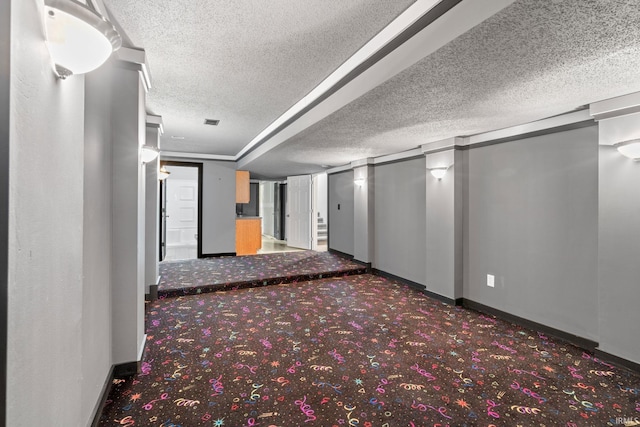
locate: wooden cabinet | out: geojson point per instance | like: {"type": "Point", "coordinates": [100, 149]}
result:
{"type": "Point", "coordinates": [248, 236]}
{"type": "Point", "coordinates": [242, 187]}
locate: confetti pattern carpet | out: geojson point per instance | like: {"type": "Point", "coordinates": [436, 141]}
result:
{"type": "Point", "coordinates": [224, 273]}
{"type": "Point", "coordinates": [357, 351]}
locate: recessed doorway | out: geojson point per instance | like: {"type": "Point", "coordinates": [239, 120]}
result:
{"type": "Point", "coordinates": [181, 213]}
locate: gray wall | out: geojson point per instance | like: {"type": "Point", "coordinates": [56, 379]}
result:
{"type": "Point", "coordinates": [218, 207]}
{"type": "Point", "coordinates": [45, 232]}
{"type": "Point", "coordinates": [531, 219]}
{"type": "Point", "coordinates": [96, 291]}
{"type": "Point", "coordinates": [5, 54]}
{"type": "Point", "coordinates": [400, 211]}
{"type": "Point", "coordinates": [341, 221]}
{"type": "Point", "coordinates": [619, 253]}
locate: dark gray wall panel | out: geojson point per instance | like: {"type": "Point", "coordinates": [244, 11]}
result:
{"type": "Point", "coordinates": [531, 220]}
{"type": "Point", "coordinates": [341, 220]}
{"type": "Point", "coordinates": [400, 212]}
{"type": "Point", "coordinates": [218, 207]}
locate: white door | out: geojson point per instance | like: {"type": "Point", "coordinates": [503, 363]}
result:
{"type": "Point", "coordinates": [182, 213]}
{"type": "Point", "coordinates": [299, 211]}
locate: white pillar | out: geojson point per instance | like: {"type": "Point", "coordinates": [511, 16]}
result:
{"type": "Point", "coordinates": [128, 179]}
{"type": "Point", "coordinates": [152, 198]}
{"type": "Point", "coordinates": [363, 210]}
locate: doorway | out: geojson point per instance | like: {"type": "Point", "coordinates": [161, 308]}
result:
{"type": "Point", "coordinates": [181, 211]}
{"type": "Point", "coordinates": [299, 211]}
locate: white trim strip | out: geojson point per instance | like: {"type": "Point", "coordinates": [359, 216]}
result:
{"type": "Point", "coordinates": [613, 107]}
{"type": "Point", "coordinates": [181, 155]}
{"type": "Point", "coordinates": [549, 123]}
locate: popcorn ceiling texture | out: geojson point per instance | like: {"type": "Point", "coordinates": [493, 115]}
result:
{"type": "Point", "coordinates": [243, 62]}
{"type": "Point", "coordinates": [246, 63]}
{"type": "Point", "coordinates": [532, 60]}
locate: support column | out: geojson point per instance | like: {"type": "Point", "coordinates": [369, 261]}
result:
{"type": "Point", "coordinates": [152, 196]}
{"type": "Point", "coordinates": [128, 189]}
{"type": "Point", "coordinates": [444, 199]}
{"type": "Point", "coordinates": [363, 210]}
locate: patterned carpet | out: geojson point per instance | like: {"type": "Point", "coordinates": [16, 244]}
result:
{"type": "Point", "coordinates": [358, 351]}
{"type": "Point", "coordinates": [212, 274]}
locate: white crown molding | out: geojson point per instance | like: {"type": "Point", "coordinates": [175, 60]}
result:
{"type": "Point", "coordinates": [361, 162]}
{"type": "Point", "coordinates": [537, 126]}
{"type": "Point", "coordinates": [397, 156]}
{"type": "Point", "coordinates": [156, 122]}
{"type": "Point", "coordinates": [136, 59]}
{"type": "Point", "coordinates": [614, 107]}
{"type": "Point", "coordinates": [443, 144]}
{"type": "Point", "coordinates": [181, 155]}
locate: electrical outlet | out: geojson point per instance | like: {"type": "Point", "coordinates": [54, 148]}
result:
{"type": "Point", "coordinates": [491, 280]}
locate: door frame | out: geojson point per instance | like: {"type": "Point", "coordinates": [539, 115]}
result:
{"type": "Point", "coordinates": [307, 180]}
{"type": "Point", "coordinates": [162, 192]}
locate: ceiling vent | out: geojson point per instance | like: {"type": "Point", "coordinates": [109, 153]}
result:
{"type": "Point", "coordinates": [211, 122]}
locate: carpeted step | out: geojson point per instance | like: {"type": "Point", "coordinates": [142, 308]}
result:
{"type": "Point", "coordinates": [198, 276]}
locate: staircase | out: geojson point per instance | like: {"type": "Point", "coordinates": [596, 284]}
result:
{"type": "Point", "coordinates": [321, 237]}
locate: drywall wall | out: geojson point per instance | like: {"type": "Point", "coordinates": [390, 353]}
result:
{"type": "Point", "coordinates": [218, 207]}
{"type": "Point", "coordinates": [618, 255]}
{"type": "Point", "coordinates": [5, 54]}
{"type": "Point", "coordinates": [363, 215]}
{"type": "Point", "coordinates": [341, 219]}
{"type": "Point", "coordinates": [128, 246]}
{"type": "Point", "coordinates": [96, 265]}
{"type": "Point", "coordinates": [400, 212]}
{"type": "Point", "coordinates": [45, 232]}
{"type": "Point", "coordinates": [531, 221]}
{"type": "Point", "coordinates": [152, 205]}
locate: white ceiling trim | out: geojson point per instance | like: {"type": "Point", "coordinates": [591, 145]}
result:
{"type": "Point", "coordinates": [398, 156]}
{"type": "Point", "coordinates": [137, 58]}
{"type": "Point", "coordinates": [459, 141]}
{"type": "Point", "coordinates": [621, 105]}
{"type": "Point", "coordinates": [451, 25]}
{"type": "Point", "coordinates": [537, 126]}
{"type": "Point", "coordinates": [181, 155]}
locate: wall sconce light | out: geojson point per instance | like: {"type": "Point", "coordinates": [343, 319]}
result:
{"type": "Point", "coordinates": [359, 182]}
{"type": "Point", "coordinates": [630, 149]}
{"type": "Point", "coordinates": [148, 153]}
{"type": "Point", "coordinates": [438, 172]}
{"type": "Point", "coordinates": [78, 37]}
{"type": "Point", "coordinates": [163, 173]}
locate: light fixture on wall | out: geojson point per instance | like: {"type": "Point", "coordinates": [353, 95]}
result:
{"type": "Point", "coordinates": [79, 38]}
{"type": "Point", "coordinates": [359, 182]}
{"type": "Point", "coordinates": [630, 149]}
{"type": "Point", "coordinates": [438, 172]}
{"type": "Point", "coordinates": [148, 153]}
{"type": "Point", "coordinates": [163, 173]}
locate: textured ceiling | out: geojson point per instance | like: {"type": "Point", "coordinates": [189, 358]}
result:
{"type": "Point", "coordinates": [245, 63]}
{"type": "Point", "coordinates": [242, 62]}
{"type": "Point", "coordinates": [534, 59]}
